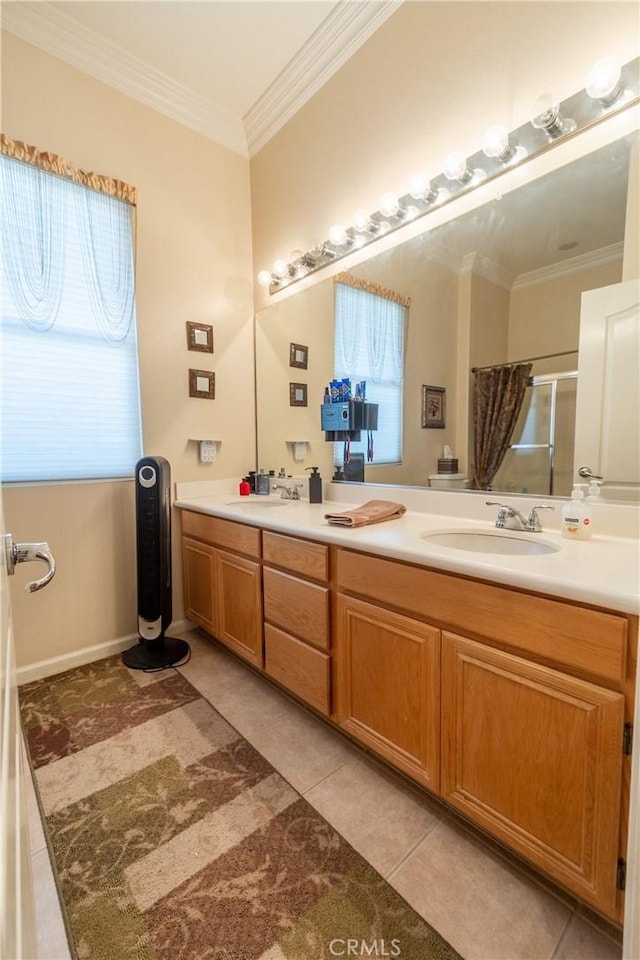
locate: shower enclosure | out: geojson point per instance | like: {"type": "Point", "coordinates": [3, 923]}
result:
{"type": "Point", "coordinates": [540, 456]}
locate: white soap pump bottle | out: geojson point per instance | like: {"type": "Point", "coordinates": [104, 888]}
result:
{"type": "Point", "coordinates": [593, 493]}
{"type": "Point", "coordinates": [576, 516]}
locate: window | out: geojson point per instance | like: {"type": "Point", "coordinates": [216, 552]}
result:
{"type": "Point", "coordinates": [369, 345]}
{"type": "Point", "coordinates": [70, 392]}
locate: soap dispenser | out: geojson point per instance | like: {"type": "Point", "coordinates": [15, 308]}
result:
{"type": "Point", "coordinates": [315, 485]}
{"type": "Point", "coordinates": [593, 493]}
{"type": "Point", "coordinates": [263, 485]}
{"type": "Point", "coordinates": [576, 516]}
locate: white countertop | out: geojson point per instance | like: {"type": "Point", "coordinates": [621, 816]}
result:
{"type": "Point", "coordinates": [604, 571]}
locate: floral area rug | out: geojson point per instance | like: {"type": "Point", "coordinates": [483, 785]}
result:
{"type": "Point", "coordinates": [174, 839]}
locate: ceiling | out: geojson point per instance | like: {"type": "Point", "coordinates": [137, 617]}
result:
{"type": "Point", "coordinates": [234, 70]}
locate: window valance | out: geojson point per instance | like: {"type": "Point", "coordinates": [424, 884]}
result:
{"type": "Point", "coordinates": [53, 163]}
{"type": "Point", "coordinates": [375, 288]}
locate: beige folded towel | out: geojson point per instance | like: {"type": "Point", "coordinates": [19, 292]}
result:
{"type": "Point", "coordinates": [373, 511]}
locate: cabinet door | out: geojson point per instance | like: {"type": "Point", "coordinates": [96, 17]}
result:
{"type": "Point", "coordinates": [388, 686]}
{"type": "Point", "coordinates": [535, 756]}
{"type": "Point", "coordinates": [239, 605]}
{"type": "Point", "coordinates": [198, 577]}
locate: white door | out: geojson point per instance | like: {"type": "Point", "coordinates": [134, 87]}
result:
{"type": "Point", "coordinates": [17, 915]}
{"type": "Point", "coordinates": [607, 438]}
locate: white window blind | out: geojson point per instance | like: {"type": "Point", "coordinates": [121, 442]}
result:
{"type": "Point", "coordinates": [70, 391]}
{"type": "Point", "coordinates": [369, 345]}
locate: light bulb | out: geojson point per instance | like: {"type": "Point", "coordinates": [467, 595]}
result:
{"type": "Point", "coordinates": [603, 82]}
{"type": "Point", "coordinates": [281, 269]}
{"type": "Point", "coordinates": [418, 187]}
{"type": "Point", "coordinates": [546, 117]}
{"type": "Point", "coordinates": [389, 205]}
{"type": "Point", "coordinates": [337, 235]}
{"type": "Point", "coordinates": [455, 167]}
{"type": "Point", "coordinates": [546, 112]}
{"type": "Point", "coordinates": [411, 212]}
{"type": "Point", "coordinates": [421, 189]}
{"type": "Point", "coordinates": [361, 221]}
{"type": "Point", "coordinates": [496, 144]}
{"type": "Point", "coordinates": [264, 278]}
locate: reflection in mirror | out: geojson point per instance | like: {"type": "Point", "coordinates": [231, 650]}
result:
{"type": "Point", "coordinates": [498, 285]}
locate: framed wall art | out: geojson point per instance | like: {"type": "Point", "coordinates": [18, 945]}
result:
{"type": "Point", "coordinates": [433, 407]}
{"type": "Point", "coordinates": [200, 337]}
{"type": "Point", "coordinates": [297, 394]}
{"type": "Point", "coordinates": [202, 383]}
{"type": "Point", "coordinates": [298, 355]}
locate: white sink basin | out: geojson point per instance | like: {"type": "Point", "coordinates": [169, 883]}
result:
{"type": "Point", "coordinates": [249, 503]}
{"type": "Point", "coordinates": [506, 543]}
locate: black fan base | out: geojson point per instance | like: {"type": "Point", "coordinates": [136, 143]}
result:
{"type": "Point", "coordinates": [155, 654]}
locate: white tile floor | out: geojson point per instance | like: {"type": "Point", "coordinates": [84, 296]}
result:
{"type": "Point", "coordinates": [484, 904]}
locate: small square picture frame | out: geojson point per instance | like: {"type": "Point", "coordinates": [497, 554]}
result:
{"type": "Point", "coordinates": [434, 401]}
{"type": "Point", "coordinates": [202, 384]}
{"type": "Point", "coordinates": [297, 395]}
{"type": "Point", "coordinates": [298, 355]}
{"type": "Point", "coordinates": [200, 337]}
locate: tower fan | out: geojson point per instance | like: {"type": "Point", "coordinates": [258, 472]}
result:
{"type": "Point", "coordinates": [154, 651]}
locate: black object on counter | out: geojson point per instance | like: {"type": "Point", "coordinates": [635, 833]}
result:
{"type": "Point", "coordinates": [315, 485]}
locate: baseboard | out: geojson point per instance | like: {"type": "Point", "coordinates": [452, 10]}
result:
{"type": "Point", "coordinates": [76, 658]}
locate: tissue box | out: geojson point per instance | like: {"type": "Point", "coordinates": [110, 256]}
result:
{"type": "Point", "coordinates": [448, 465]}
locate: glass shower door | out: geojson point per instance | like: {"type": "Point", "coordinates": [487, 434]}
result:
{"type": "Point", "coordinates": [540, 457]}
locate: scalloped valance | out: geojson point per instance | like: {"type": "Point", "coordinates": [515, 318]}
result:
{"type": "Point", "coordinates": [53, 163]}
{"type": "Point", "coordinates": [376, 288]}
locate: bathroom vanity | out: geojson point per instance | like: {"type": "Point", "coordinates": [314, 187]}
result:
{"type": "Point", "coordinates": [491, 681]}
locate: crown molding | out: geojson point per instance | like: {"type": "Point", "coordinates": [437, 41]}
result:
{"type": "Point", "coordinates": [338, 37]}
{"type": "Point", "coordinates": [488, 269]}
{"type": "Point", "coordinates": [346, 28]}
{"type": "Point", "coordinates": [583, 262]}
{"type": "Point", "coordinates": [62, 36]}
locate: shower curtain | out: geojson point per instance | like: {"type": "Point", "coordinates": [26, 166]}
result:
{"type": "Point", "coordinates": [498, 395]}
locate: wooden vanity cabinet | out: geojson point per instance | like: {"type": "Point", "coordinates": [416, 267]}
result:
{"type": "Point", "coordinates": [297, 617]}
{"type": "Point", "coordinates": [534, 756]}
{"type": "Point", "coordinates": [511, 706]}
{"type": "Point", "coordinates": [222, 581]}
{"type": "Point", "coordinates": [198, 573]}
{"type": "Point", "coordinates": [388, 686]}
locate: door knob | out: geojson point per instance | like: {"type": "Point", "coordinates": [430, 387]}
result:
{"type": "Point", "coordinates": [586, 472]}
{"type": "Point", "coordinates": [23, 552]}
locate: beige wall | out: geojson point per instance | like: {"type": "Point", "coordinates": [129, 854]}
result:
{"type": "Point", "coordinates": [313, 323]}
{"type": "Point", "coordinates": [545, 317]}
{"type": "Point", "coordinates": [193, 263]}
{"type": "Point", "coordinates": [429, 81]}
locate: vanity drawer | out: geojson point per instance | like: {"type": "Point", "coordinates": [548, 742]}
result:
{"type": "Point", "coordinates": [297, 667]}
{"type": "Point", "coordinates": [300, 607]}
{"type": "Point", "coordinates": [299, 556]}
{"type": "Point", "coordinates": [572, 636]}
{"type": "Point", "coordinates": [222, 533]}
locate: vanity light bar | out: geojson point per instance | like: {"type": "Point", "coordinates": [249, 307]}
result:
{"type": "Point", "coordinates": [610, 89]}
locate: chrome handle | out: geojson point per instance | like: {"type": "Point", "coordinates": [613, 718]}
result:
{"type": "Point", "coordinates": [586, 472]}
{"type": "Point", "coordinates": [24, 552]}
{"type": "Point", "coordinates": [533, 521]}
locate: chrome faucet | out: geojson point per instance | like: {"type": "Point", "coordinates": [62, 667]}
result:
{"type": "Point", "coordinates": [289, 491]}
{"type": "Point", "coordinates": [511, 519]}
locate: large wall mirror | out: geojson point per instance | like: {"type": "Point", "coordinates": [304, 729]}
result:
{"type": "Point", "coordinates": [500, 284]}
